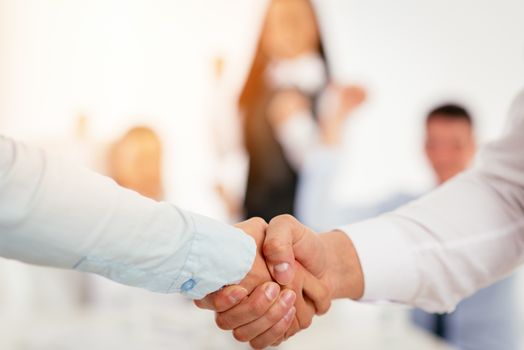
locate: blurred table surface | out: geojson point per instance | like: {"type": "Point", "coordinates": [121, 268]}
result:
{"type": "Point", "coordinates": [182, 326]}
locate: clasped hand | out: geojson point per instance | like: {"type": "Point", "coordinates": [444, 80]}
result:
{"type": "Point", "coordinates": [292, 279]}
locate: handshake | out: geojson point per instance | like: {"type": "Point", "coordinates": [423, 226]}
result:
{"type": "Point", "coordinates": [295, 275]}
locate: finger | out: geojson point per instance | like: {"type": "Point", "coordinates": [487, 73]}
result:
{"type": "Point", "coordinates": [277, 311]}
{"type": "Point", "coordinates": [293, 329]}
{"type": "Point", "coordinates": [278, 342]}
{"type": "Point", "coordinates": [317, 292]}
{"type": "Point", "coordinates": [255, 227]}
{"type": "Point", "coordinates": [286, 240]}
{"type": "Point", "coordinates": [223, 299]}
{"type": "Point", "coordinates": [274, 333]}
{"type": "Point", "coordinates": [281, 235]}
{"type": "Point", "coordinates": [305, 312]}
{"type": "Point", "coordinates": [252, 308]}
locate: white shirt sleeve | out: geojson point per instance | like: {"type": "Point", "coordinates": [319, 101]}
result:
{"type": "Point", "coordinates": [463, 236]}
{"type": "Point", "coordinates": [55, 214]}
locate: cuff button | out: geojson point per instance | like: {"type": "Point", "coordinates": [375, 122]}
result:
{"type": "Point", "coordinates": [188, 285]}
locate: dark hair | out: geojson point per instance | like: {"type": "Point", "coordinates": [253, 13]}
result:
{"type": "Point", "coordinates": [450, 112]}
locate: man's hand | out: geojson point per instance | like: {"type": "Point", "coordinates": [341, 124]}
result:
{"type": "Point", "coordinates": [293, 253]}
{"type": "Point", "coordinates": [330, 256]}
{"type": "Point", "coordinates": [269, 314]}
{"type": "Point", "coordinates": [292, 250]}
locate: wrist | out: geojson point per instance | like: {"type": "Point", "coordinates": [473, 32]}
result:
{"type": "Point", "coordinates": [344, 273]}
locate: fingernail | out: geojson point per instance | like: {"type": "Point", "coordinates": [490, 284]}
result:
{"type": "Point", "coordinates": [290, 314]}
{"type": "Point", "coordinates": [283, 267]}
{"type": "Point", "coordinates": [271, 291]}
{"type": "Point", "coordinates": [237, 295]}
{"type": "Point", "coordinates": [288, 297]}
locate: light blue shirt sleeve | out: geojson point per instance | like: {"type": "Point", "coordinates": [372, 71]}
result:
{"type": "Point", "coordinates": [56, 214]}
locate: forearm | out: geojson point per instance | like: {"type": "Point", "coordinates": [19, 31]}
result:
{"type": "Point", "coordinates": [56, 214]}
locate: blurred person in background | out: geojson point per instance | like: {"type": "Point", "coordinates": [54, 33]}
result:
{"type": "Point", "coordinates": [135, 162]}
{"type": "Point", "coordinates": [482, 321]}
{"type": "Point", "coordinates": [289, 59]}
{"type": "Point", "coordinates": [289, 73]}
{"type": "Point", "coordinates": [486, 319]}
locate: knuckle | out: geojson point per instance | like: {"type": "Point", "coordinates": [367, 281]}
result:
{"type": "Point", "coordinates": [273, 246]}
{"type": "Point", "coordinates": [223, 322]}
{"type": "Point", "coordinates": [240, 335]}
{"type": "Point", "coordinates": [264, 341]}
{"type": "Point", "coordinates": [326, 307]}
{"type": "Point", "coordinates": [307, 323]}
{"type": "Point", "coordinates": [199, 303]}
{"type": "Point", "coordinates": [324, 303]}
{"type": "Point", "coordinates": [283, 218]}
{"type": "Point", "coordinates": [208, 302]}
{"type": "Point", "coordinates": [294, 329]}
{"type": "Point", "coordinates": [258, 307]}
{"type": "Point", "coordinates": [258, 221]}
{"type": "Point", "coordinates": [276, 314]}
{"type": "Point", "coordinates": [215, 303]}
{"type": "Point", "coordinates": [278, 331]}
{"type": "Point", "coordinates": [277, 343]}
{"type": "Point", "coordinates": [275, 334]}
{"type": "Point", "coordinates": [256, 344]}
{"type": "Point", "coordinates": [323, 308]}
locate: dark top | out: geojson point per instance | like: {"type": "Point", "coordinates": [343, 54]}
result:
{"type": "Point", "coordinates": [271, 181]}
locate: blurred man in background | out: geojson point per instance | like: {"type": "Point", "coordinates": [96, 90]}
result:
{"type": "Point", "coordinates": [484, 320]}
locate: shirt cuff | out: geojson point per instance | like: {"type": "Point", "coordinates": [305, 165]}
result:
{"type": "Point", "coordinates": [220, 255]}
{"type": "Point", "coordinates": [387, 259]}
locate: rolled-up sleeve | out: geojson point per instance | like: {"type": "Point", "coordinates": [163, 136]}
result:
{"type": "Point", "coordinates": [57, 214]}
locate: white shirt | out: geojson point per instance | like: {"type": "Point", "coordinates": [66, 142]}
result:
{"type": "Point", "coordinates": [461, 237]}
{"type": "Point", "coordinates": [55, 214]}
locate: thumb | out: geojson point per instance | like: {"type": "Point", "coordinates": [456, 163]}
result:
{"type": "Point", "coordinates": [288, 240]}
